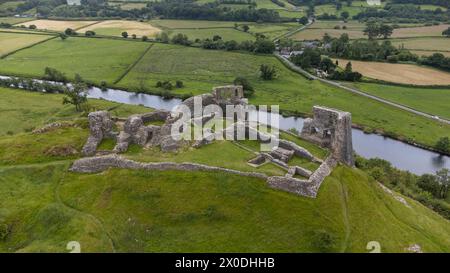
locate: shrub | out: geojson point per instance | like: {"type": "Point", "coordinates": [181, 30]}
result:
{"type": "Point", "coordinates": [248, 88]}
{"type": "Point", "coordinates": [267, 72]}
{"type": "Point", "coordinates": [179, 84]}
{"type": "Point", "coordinates": [4, 231]}
{"type": "Point", "coordinates": [89, 33]}
{"type": "Point", "coordinates": [323, 241]}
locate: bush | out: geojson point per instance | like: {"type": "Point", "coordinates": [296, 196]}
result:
{"type": "Point", "coordinates": [4, 231]}
{"type": "Point", "coordinates": [179, 84]}
{"type": "Point", "coordinates": [267, 72]}
{"type": "Point", "coordinates": [89, 33]}
{"type": "Point", "coordinates": [392, 59]}
{"type": "Point", "coordinates": [323, 241]}
{"type": "Point", "coordinates": [248, 88]}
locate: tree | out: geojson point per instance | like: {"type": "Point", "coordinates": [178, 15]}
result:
{"type": "Point", "coordinates": [163, 37]}
{"type": "Point", "coordinates": [345, 15]}
{"type": "Point", "coordinates": [371, 30]}
{"type": "Point", "coordinates": [70, 32]}
{"type": "Point", "coordinates": [385, 30]}
{"type": "Point", "coordinates": [264, 46]}
{"type": "Point", "coordinates": [181, 39]}
{"type": "Point", "coordinates": [338, 5]}
{"type": "Point", "coordinates": [51, 74]}
{"type": "Point", "coordinates": [76, 94]}
{"type": "Point", "coordinates": [267, 72]}
{"type": "Point", "coordinates": [125, 34]}
{"type": "Point", "coordinates": [63, 36]}
{"type": "Point", "coordinates": [443, 178]}
{"type": "Point", "coordinates": [348, 67]}
{"type": "Point", "coordinates": [326, 64]}
{"type": "Point", "coordinates": [304, 20]}
{"type": "Point", "coordinates": [89, 33]}
{"type": "Point", "coordinates": [443, 145]}
{"type": "Point", "coordinates": [32, 27]}
{"type": "Point", "coordinates": [245, 28]}
{"type": "Point", "coordinates": [446, 32]}
{"type": "Point", "coordinates": [133, 36]}
{"type": "Point", "coordinates": [144, 38]}
{"type": "Point", "coordinates": [248, 88]}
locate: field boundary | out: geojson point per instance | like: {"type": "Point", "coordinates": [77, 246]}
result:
{"type": "Point", "coordinates": [26, 47]}
{"type": "Point", "coordinates": [133, 64]}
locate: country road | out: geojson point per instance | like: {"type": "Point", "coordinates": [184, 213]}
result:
{"type": "Point", "coordinates": [359, 92]}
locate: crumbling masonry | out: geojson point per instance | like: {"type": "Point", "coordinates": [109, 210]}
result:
{"type": "Point", "coordinates": [329, 128]}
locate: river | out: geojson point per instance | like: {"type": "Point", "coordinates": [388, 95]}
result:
{"type": "Point", "coordinates": [401, 155]}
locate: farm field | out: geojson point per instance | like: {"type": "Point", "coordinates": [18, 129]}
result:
{"type": "Point", "coordinates": [116, 27]}
{"type": "Point", "coordinates": [142, 211]}
{"type": "Point", "coordinates": [10, 42]}
{"type": "Point", "coordinates": [10, 5]}
{"type": "Point", "coordinates": [179, 24]}
{"type": "Point", "coordinates": [94, 59]}
{"type": "Point", "coordinates": [23, 111]}
{"type": "Point", "coordinates": [399, 73]}
{"type": "Point", "coordinates": [106, 60]}
{"type": "Point", "coordinates": [420, 31]}
{"type": "Point", "coordinates": [226, 34]}
{"type": "Point", "coordinates": [429, 100]}
{"type": "Point", "coordinates": [207, 29]}
{"type": "Point", "coordinates": [200, 70]}
{"type": "Point", "coordinates": [56, 25]}
{"type": "Point", "coordinates": [14, 20]}
{"type": "Point", "coordinates": [317, 34]}
{"type": "Point", "coordinates": [438, 44]}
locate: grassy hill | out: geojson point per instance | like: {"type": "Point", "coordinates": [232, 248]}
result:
{"type": "Point", "coordinates": [43, 206]}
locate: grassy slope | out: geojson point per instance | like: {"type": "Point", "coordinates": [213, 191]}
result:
{"type": "Point", "coordinates": [429, 100]}
{"type": "Point", "coordinates": [200, 70]}
{"type": "Point", "coordinates": [24, 111]}
{"type": "Point", "coordinates": [14, 41]}
{"type": "Point", "coordinates": [204, 212]}
{"type": "Point", "coordinates": [93, 59]}
{"type": "Point", "coordinates": [45, 206]}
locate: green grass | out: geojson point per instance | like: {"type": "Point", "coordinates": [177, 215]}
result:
{"type": "Point", "coordinates": [95, 60]}
{"type": "Point", "coordinates": [429, 100]}
{"type": "Point", "coordinates": [200, 70]}
{"type": "Point", "coordinates": [23, 111]}
{"type": "Point", "coordinates": [226, 34]}
{"type": "Point", "coordinates": [173, 211]}
{"type": "Point", "coordinates": [10, 42]}
{"type": "Point", "coordinates": [231, 156]}
{"type": "Point", "coordinates": [179, 24]}
{"type": "Point", "coordinates": [437, 44]}
{"type": "Point", "coordinates": [14, 20]}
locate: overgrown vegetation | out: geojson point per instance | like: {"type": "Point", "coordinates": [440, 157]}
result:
{"type": "Point", "coordinates": [431, 190]}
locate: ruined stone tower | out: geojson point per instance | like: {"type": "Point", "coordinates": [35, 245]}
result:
{"type": "Point", "coordinates": [332, 129]}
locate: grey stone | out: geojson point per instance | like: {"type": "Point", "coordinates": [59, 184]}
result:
{"type": "Point", "coordinates": [332, 129]}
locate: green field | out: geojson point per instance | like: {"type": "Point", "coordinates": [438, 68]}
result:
{"type": "Point", "coordinates": [200, 70]}
{"type": "Point", "coordinates": [94, 59]}
{"type": "Point", "coordinates": [14, 20]}
{"type": "Point", "coordinates": [180, 24]}
{"type": "Point", "coordinates": [23, 111]}
{"type": "Point", "coordinates": [10, 42]}
{"type": "Point", "coordinates": [173, 211]}
{"type": "Point", "coordinates": [226, 34]}
{"type": "Point", "coordinates": [429, 100]}
{"type": "Point", "coordinates": [437, 44]}
{"type": "Point", "coordinates": [45, 206]}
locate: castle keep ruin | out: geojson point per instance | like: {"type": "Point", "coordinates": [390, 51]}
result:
{"type": "Point", "coordinates": [328, 128]}
{"type": "Point", "coordinates": [332, 129]}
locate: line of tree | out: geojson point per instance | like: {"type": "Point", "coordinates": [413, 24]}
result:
{"type": "Point", "coordinates": [442, 3]}
{"type": "Point", "coordinates": [260, 45]}
{"type": "Point", "coordinates": [374, 30]}
{"type": "Point", "coordinates": [366, 50]}
{"type": "Point", "coordinates": [408, 13]}
{"type": "Point", "coordinates": [429, 189]}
